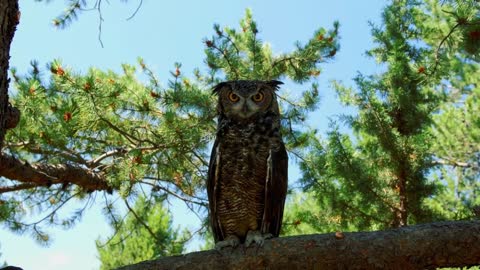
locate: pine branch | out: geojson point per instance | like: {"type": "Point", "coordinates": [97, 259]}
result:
{"type": "Point", "coordinates": [232, 67]}
{"type": "Point", "coordinates": [437, 51]}
{"type": "Point", "coordinates": [48, 174]}
{"type": "Point", "coordinates": [426, 246]}
{"type": "Point", "coordinates": [16, 187]}
{"type": "Point", "coordinates": [95, 162]}
{"type": "Point", "coordinates": [198, 201]}
{"type": "Point", "coordinates": [454, 163]}
{"type": "Point", "coordinates": [141, 221]}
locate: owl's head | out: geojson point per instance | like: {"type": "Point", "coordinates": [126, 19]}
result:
{"type": "Point", "coordinates": [243, 99]}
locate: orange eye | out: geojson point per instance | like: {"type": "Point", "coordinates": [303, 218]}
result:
{"type": "Point", "coordinates": [233, 97]}
{"type": "Point", "coordinates": [258, 97]}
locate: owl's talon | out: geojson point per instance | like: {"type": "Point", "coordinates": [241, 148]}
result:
{"type": "Point", "coordinates": [230, 241]}
{"type": "Point", "coordinates": [257, 237]}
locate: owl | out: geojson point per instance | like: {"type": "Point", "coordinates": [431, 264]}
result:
{"type": "Point", "coordinates": [247, 176]}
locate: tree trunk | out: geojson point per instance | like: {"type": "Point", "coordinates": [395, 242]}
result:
{"type": "Point", "coordinates": [9, 17]}
{"type": "Point", "coordinates": [426, 246]}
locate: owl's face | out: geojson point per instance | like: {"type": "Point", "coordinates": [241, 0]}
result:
{"type": "Point", "coordinates": [244, 99]}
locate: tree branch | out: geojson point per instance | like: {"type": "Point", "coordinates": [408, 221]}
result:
{"type": "Point", "coordinates": [227, 59]}
{"type": "Point", "coordinates": [437, 51]}
{"type": "Point", "coordinates": [454, 163]}
{"type": "Point", "coordinates": [95, 162]}
{"type": "Point", "coordinates": [140, 220]}
{"type": "Point", "coordinates": [17, 187]}
{"type": "Point", "coordinates": [136, 10]}
{"type": "Point", "coordinates": [426, 246]}
{"type": "Point", "coordinates": [48, 174]}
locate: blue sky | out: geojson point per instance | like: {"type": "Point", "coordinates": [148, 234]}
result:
{"type": "Point", "coordinates": [164, 32]}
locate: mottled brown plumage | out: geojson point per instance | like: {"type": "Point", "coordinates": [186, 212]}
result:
{"type": "Point", "coordinates": [247, 179]}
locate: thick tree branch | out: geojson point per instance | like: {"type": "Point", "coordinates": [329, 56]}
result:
{"type": "Point", "coordinates": [17, 187]}
{"type": "Point", "coordinates": [426, 246]}
{"type": "Point", "coordinates": [48, 174]}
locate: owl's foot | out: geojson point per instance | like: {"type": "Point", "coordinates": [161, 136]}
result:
{"type": "Point", "coordinates": [256, 237]}
{"type": "Point", "coordinates": [231, 240]}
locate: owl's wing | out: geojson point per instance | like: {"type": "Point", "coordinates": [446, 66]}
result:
{"type": "Point", "coordinates": [275, 191]}
{"type": "Point", "coordinates": [212, 191]}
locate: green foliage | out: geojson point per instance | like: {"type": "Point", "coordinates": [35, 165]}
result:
{"type": "Point", "coordinates": [111, 124]}
{"type": "Point", "coordinates": [303, 215]}
{"type": "Point", "coordinates": [379, 178]}
{"type": "Point", "coordinates": [467, 20]}
{"type": "Point", "coordinates": [234, 54]}
{"type": "Point", "coordinates": [145, 234]}
{"type": "Point", "coordinates": [456, 127]}
{"type": "Point", "coordinates": [413, 155]}
{"type": "Point", "coordinates": [70, 13]}
{"type": "Point", "coordinates": [75, 7]}
{"type": "Point", "coordinates": [139, 134]}
{"type": "Point", "coordinates": [242, 55]}
{"type": "Point", "coordinates": [457, 131]}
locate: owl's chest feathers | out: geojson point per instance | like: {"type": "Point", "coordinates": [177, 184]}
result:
{"type": "Point", "coordinates": [245, 148]}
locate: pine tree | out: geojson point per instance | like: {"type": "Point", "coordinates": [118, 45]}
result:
{"type": "Point", "coordinates": [452, 30]}
{"type": "Point", "coordinates": [114, 133]}
{"type": "Point", "coordinates": [378, 178]}
{"type": "Point", "coordinates": [396, 167]}
{"type": "Point", "coordinates": [145, 234]}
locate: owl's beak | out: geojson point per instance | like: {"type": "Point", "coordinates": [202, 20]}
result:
{"type": "Point", "coordinates": [245, 108]}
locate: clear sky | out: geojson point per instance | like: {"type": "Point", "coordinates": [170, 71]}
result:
{"type": "Point", "coordinates": [164, 32]}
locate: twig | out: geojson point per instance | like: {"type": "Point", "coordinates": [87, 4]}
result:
{"type": "Point", "coordinates": [135, 12]}
{"type": "Point", "coordinates": [454, 163]}
{"type": "Point", "coordinates": [63, 202]}
{"type": "Point", "coordinates": [142, 222]}
{"type": "Point", "coordinates": [98, 5]}
{"type": "Point", "coordinates": [228, 61]}
{"type": "Point", "coordinates": [437, 52]}
{"type": "Point", "coordinates": [172, 193]}
{"type": "Point", "coordinates": [94, 162]}
{"type": "Point", "coordinates": [233, 44]}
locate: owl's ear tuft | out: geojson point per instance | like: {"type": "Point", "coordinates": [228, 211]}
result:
{"type": "Point", "coordinates": [219, 86]}
{"type": "Point", "coordinates": [274, 84]}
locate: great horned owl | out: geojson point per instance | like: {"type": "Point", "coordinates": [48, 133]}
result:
{"type": "Point", "coordinates": [247, 177]}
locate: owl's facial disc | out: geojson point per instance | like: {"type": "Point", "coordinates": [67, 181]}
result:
{"type": "Point", "coordinates": [244, 108]}
{"type": "Point", "coordinates": [245, 105]}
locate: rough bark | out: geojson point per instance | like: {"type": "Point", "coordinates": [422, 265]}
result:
{"type": "Point", "coordinates": [426, 246]}
{"type": "Point", "coordinates": [9, 17]}
{"type": "Point", "coordinates": [48, 174]}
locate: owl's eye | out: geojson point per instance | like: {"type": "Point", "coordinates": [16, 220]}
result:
{"type": "Point", "coordinates": [233, 97]}
{"type": "Point", "coordinates": [258, 97]}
